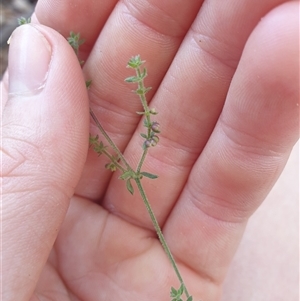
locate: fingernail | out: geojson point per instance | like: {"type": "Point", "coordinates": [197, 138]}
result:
{"type": "Point", "coordinates": [28, 60]}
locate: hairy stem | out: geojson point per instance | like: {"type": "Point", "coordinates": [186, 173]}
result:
{"type": "Point", "coordinates": [160, 234]}
{"type": "Point", "coordinates": [142, 161]}
{"type": "Point", "coordinates": [111, 143]}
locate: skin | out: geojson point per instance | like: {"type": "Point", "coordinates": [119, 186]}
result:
{"type": "Point", "coordinates": [266, 263]}
{"type": "Point", "coordinates": [225, 81]}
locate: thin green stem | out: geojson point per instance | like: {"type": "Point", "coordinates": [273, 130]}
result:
{"type": "Point", "coordinates": [142, 161]}
{"type": "Point", "coordinates": [143, 99]}
{"type": "Point", "coordinates": [160, 235]}
{"type": "Point", "coordinates": [111, 143]}
{"type": "Point", "coordinates": [142, 96]}
{"type": "Point", "coordinates": [129, 174]}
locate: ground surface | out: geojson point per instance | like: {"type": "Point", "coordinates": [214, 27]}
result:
{"type": "Point", "coordinates": [10, 11]}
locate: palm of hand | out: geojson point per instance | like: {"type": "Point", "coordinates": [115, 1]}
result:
{"type": "Point", "coordinates": [100, 256]}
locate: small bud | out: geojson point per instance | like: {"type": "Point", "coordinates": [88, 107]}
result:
{"type": "Point", "coordinates": [111, 166]}
{"type": "Point", "coordinates": [154, 140]}
{"type": "Point", "coordinates": [155, 127]}
{"type": "Point", "coordinates": [147, 144]}
{"type": "Point", "coordinates": [93, 139]}
{"type": "Point", "coordinates": [153, 111]}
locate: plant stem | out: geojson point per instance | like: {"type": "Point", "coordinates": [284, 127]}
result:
{"type": "Point", "coordinates": [142, 161]}
{"type": "Point", "coordinates": [111, 143]}
{"type": "Point", "coordinates": [160, 235]}
{"type": "Point", "coordinates": [143, 98]}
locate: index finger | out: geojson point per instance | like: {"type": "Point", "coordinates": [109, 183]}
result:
{"type": "Point", "coordinates": [84, 17]}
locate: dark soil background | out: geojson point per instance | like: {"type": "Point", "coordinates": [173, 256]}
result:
{"type": "Point", "coordinates": [10, 11]}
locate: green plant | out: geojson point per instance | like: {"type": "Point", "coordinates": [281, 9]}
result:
{"type": "Point", "coordinates": [118, 162]}
{"type": "Point", "coordinates": [22, 20]}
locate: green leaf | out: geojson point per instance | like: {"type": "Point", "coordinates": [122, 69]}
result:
{"type": "Point", "coordinates": [140, 91]}
{"type": "Point", "coordinates": [74, 39]}
{"type": "Point", "coordinates": [146, 123]}
{"type": "Point", "coordinates": [98, 146]}
{"type": "Point", "coordinates": [132, 79]}
{"type": "Point", "coordinates": [144, 74]}
{"type": "Point", "coordinates": [126, 175]}
{"type": "Point", "coordinates": [173, 292]}
{"type": "Point", "coordinates": [135, 62]}
{"type": "Point", "coordinates": [147, 89]}
{"type": "Point", "coordinates": [22, 21]}
{"type": "Point", "coordinates": [149, 175]}
{"type": "Point", "coordinates": [180, 291]}
{"type": "Point", "coordinates": [143, 135]}
{"type": "Point", "coordinates": [88, 83]}
{"type": "Point", "coordinates": [129, 186]}
{"type": "Point", "coordinates": [111, 166]}
{"type": "Point", "coordinates": [190, 298]}
{"type": "Point", "coordinates": [93, 139]}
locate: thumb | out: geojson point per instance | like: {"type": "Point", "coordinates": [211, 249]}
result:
{"type": "Point", "coordinates": [45, 126]}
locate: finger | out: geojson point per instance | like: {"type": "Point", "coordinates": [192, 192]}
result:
{"type": "Point", "coordinates": [270, 243]}
{"type": "Point", "coordinates": [4, 91]}
{"type": "Point", "coordinates": [246, 152]}
{"type": "Point", "coordinates": [84, 17]}
{"type": "Point", "coordinates": [153, 29]}
{"type": "Point", "coordinates": [189, 102]}
{"type": "Point", "coordinates": [45, 139]}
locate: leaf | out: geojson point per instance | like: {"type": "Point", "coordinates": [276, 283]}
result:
{"type": "Point", "coordinates": [126, 175]}
{"type": "Point", "coordinates": [111, 166]}
{"type": "Point", "coordinates": [93, 139]}
{"type": "Point", "coordinates": [190, 298]}
{"type": "Point", "coordinates": [88, 83]}
{"type": "Point", "coordinates": [140, 91]}
{"type": "Point", "coordinates": [132, 79]}
{"type": "Point", "coordinates": [143, 135]}
{"type": "Point", "coordinates": [144, 74]}
{"type": "Point", "coordinates": [147, 89]}
{"type": "Point", "coordinates": [23, 20]}
{"type": "Point", "coordinates": [135, 62]}
{"type": "Point", "coordinates": [173, 292]}
{"type": "Point", "coordinates": [129, 186]}
{"type": "Point", "coordinates": [149, 175]}
{"type": "Point", "coordinates": [180, 291]}
{"type": "Point", "coordinates": [146, 123]}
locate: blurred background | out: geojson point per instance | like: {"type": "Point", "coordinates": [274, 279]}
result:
{"type": "Point", "coordinates": [10, 11]}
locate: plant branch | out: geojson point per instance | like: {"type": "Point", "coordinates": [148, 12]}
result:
{"type": "Point", "coordinates": [111, 143]}
{"type": "Point", "coordinates": [160, 235]}
{"type": "Point", "coordinates": [142, 160]}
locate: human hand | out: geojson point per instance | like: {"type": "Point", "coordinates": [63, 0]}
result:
{"type": "Point", "coordinates": [216, 160]}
